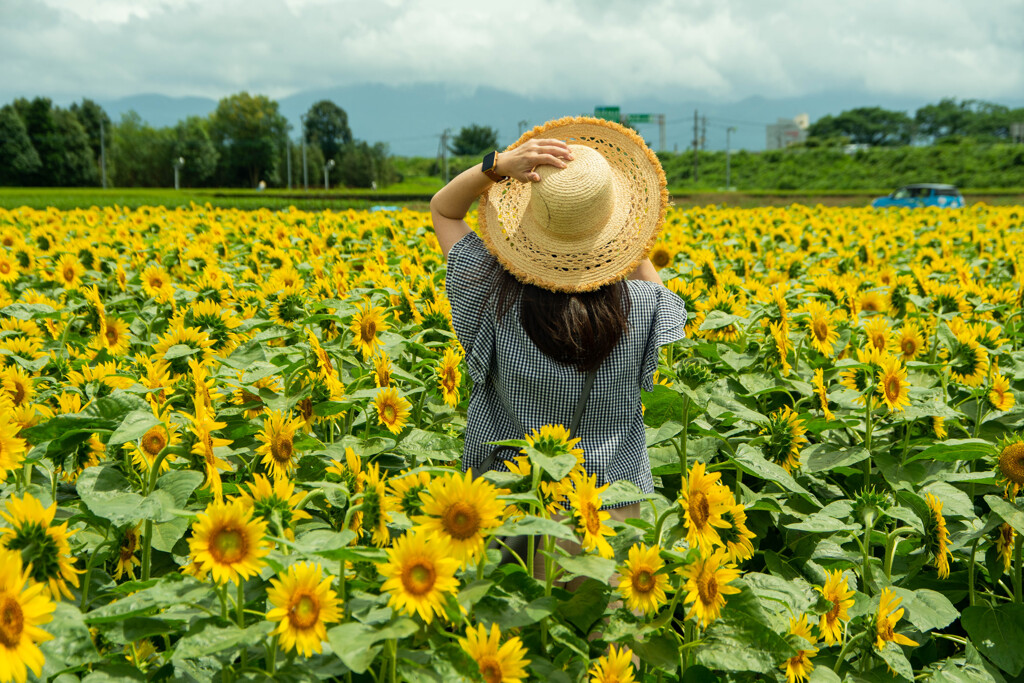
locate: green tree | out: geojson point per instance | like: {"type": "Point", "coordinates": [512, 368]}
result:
{"type": "Point", "coordinates": [141, 154]}
{"type": "Point", "coordinates": [327, 126]}
{"type": "Point", "coordinates": [866, 126]}
{"type": "Point", "coordinates": [91, 115]}
{"type": "Point", "coordinates": [248, 131]}
{"type": "Point", "coordinates": [18, 158]}
{"type": "Point", "coordinates": [946, 118]}
{"type": "Point", "coordinates": [473, 140]}
{"type": "Point", "coordinates": [362, 164]}
{"type": "Point", "coordinates": [76, 166]}
{"type": "Point", "coordinates": [191, 142]}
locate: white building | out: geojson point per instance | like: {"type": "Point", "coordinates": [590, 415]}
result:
{"type": "Point", "coordinates": [786, 132]}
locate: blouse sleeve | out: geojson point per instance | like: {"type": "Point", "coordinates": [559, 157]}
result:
{"type": "Point", "coordinates": [667, 325]}
{"type": "Point", "coordinates": [470, 274]}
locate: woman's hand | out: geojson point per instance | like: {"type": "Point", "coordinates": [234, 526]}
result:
{"type": "Point", "coordinates": [519, 163]}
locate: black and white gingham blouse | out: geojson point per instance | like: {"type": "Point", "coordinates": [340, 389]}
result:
{"type": "Point", "coordinates": [500, 356]}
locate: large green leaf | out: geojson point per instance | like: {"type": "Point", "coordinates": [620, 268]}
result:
{"type": "Point", "coordinates": [557, 467]}
{"type": "Point", "coordinates": [927, 609]}
{"type": "Point", "coordinates": [149, 598]}
{"type": "Point", "coordinates": [357, 644]}
{"type": "Point", "coordinates": [103, 413]}
{"type": "Point", "coordinates": [592, 566]}
{"type": "Point", "coordinates": [180, 484]}
{"type": "Point", "coordinates": [208, 639]}
{"type": "Point", "coordinates": [108, 495]}
{"type": "Point", "coordinates": [997, 632]}
{"type": "Point", "coordinates": [586, 605]}
{"type": "Point", "coordinates": [751, 461]}
{"type": "Point", "coordinates": [134, 425]}
{"type": "Point", "coordinates": [71, 645]}
{"type": "Point", "coordinates": [738, 643]}
{"type": "Point", "coordinates": [1009, 513]}
{"type": "Point", "coordinates": [536, 526]}
{"type": "Point", "coordinates": [896, 660]}
{"type": "Point", "coordinates": [824, 457]}
{"type": "Point", "coordinates": [952, 450]}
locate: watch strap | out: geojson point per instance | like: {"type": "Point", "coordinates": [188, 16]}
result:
{"type": "Point", "coordinates": [489, 162]}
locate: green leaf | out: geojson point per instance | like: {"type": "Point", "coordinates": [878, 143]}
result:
{"type": "Point", "coordinates": [208, 639]}
{"type": "Point", "coordinates": [134, 425]}
{"type": "Point", "coordinates": [817, 523]}
{"type": "Point", "coordinates": [114, 673]}
{"type": "Point", "coordinates": [106, 493]}
{"type": "Point", "coordinates": [659, 651]}
{"type": "Point", "coordinates": [1008, 512]}
{"type": "Point", "coordinates": [823, 674]}
{"type": "Point", "coordinates": [897, 661]}
{"type": "Point", "coordinates": [586, 605]}
{"type": "Point", "coordinates": [429, 446]}
{"type": "Point", "coordinates": [356, 644]}
{"type": "Point", "coordinates": [955, 503]}
{"type": "Point", "coordinates": [662, 433]}
{"type": "Point", "coordinates": [27, 311]}
{"type": "Point", "coordinates": [334, 545]}
{"type": "Point", "coordinates": [823, 457]}
{"type": "Point", "coordinates": [752, 462]}
{"type": "Point", "coordinates": [167, 534]}
{"type": "Point", "coordinates": [662, 405]}
{"type": "Point", "coordinates": [71, 646]}
{"type": "Point", "coordinates": [997, 632]}
{"type": "Point", "coordinates": [557, 467]}
{"type": "Point", "coordinates": [738, 643]}
{"type": "Point", "coordinates": [953, 450]}
{"type": "Point", "coordinates": [537, 526]}
{"type": "Point", "coordinates": [794, 596]}
{"type": "Point", "coordinates": [591, 566]}
{"type": "Point", "coordinates": [103, 413]}
{"type": "Point", "coordinates": [719, 319]}
{"type": "Point", "coordinates": [180, 484]}
{"type": "Point", "coordinates": [926, 609]}
{"type": "Point", "coordinates": [180, 351]}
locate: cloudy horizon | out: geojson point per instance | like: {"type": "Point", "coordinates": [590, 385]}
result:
{"type": "Point", "coordinates": [712, 51]}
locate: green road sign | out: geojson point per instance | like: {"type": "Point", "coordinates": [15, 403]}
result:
{"type": "Point", "coordinates": [608, 113]}
{"type": "Point", "coordinates": [641, 118]}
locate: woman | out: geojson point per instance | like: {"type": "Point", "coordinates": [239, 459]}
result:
{"type": "Point", "coordinates": [541, 297]}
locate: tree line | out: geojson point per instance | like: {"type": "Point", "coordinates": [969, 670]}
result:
{"type": "Point", "coordinates": [244, 141]}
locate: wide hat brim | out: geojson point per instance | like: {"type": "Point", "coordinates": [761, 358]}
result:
{"type": "Point", "coordinates": [615, 249]}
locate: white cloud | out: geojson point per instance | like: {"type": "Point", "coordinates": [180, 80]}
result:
{"type": "Point", "coordinates": [604, 49]}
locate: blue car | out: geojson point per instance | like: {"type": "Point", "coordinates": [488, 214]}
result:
{"type": "Point", "coordinates": [922, 194]}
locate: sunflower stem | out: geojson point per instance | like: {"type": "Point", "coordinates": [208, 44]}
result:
{"type": "Point", "coordinates": [272, 656]}
{"type": "Point", "coordinates": [866, 564]}
{"type": "Point", "coordinates": [27, 480]}
{"type": "Point", "coordinates": [970, 571]}
{"type": "Point", "coordinates": [842, 651]}
{"type": "Point", "coordinates": [342, 592]}
{"type": "Point", "coordinates": [868, 424]}
{"type": "Point", "coordinates": [659, 525]}
{"type": "Point", "coordinates": [88, 570]}
{"type": "Point", "coordinates": [683, 464]}
{"type": "Point", "coordinates": [147, 548]}
{"type": "Point", "coordinates": [1018, 569]}
{"type": "Point", "coordinates": [222, 593]}
{"type": "Point", "coordinates": [240, 606]}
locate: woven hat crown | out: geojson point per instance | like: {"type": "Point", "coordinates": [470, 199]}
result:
{"type": "Point", "coordinates": [572, 202]}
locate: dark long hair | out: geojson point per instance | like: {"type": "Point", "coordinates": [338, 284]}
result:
{"type": "Point", "coordinates": [578, 329]}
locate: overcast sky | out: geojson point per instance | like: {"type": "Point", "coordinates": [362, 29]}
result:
{"type": "Point", "coordinates": [714, 50]}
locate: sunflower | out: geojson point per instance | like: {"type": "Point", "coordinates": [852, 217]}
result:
{"type": "Point", "coordinates": [277, 443]}
{"type": "Point", "coordinates": [615, 667]}
{"type": "Point", "coordinates": [859, 379]}
{"type": "Point", "coordinates": [246, 395]}
{"type": "Point", "coordinates": [892, 384]}
{"type": "Point", "coordinates": [504, 664]}
{"type": "Point", "coordinates": [449, 377]}
{"type": "Point", "coordinates": [23, 609]}
{"type": "Point", "coordinates": [9, 271]}
{"type": "Point", "coordinates": [585, 499]}
{"type": "Point", "coordinates": [303, 603]}
{"type": "Point", "coordinates": [87, 453]}
{"type": "Point", "coordinates": [462, 510]}
{"type": "Point", "coordinates": [878, 333]}
{"type": "Point", "coordinates": [197, 341]}
{"type": "Point", "coordinates": [12, 447]}
{"type": "Point", "coordinates": [911, 342]}
{"type": "Point", "coordinates": [1004, 545]}
{"type": "Point", "coordinates": [937, 536]}
{"type": "Point", "coordinates": [68, 272]}
{"type": "Point", "coordinates": [114, 336]}
{"type": "Point", "coordinates": [885, 620]}
{"type": "Point", "coordinates": [126, 559]}
{"type": "Point", "coordinates": [554, 440]}
{"type": "Point", "coordinates": [822, 393]}
{"type": "Point", "coordinates": [404, 491]}
{"type": "Point", "coordinates": [382, 369]}
{"type": "Point", "coordinates": [939, 428]}
{"type": "Point", "coordinates": [419, 573]}
{"type": "Point", "coordinates": [157, 284]}
{"type": "Point", "coordinates": [162, 435]}
{"type": "Point", "coordinates": [216, 321]}
{"type": "Point", "coordinates": [837, 592]}
{"type": "Point", "coordinates": [798, 668]}
{"type": "Point", "coordinates": [18, 385]}
{"type": "Point", "coordinates": [321, 360]}
{"type": "Point", "coordinates": [704, 500]}
{"type": "Point", "coordinates": [203, 425]}
{"type": "Point", "coordinates": [736, 537]}
{"type": "Point", "coordinates": [228, 542]}
{"type": "Point", "coordinates": [868, 301]}
{"type": "Point", "coordinates": [967, 361]}
{"type": "Point", "coordinates": [276, 503]}
{"type": "Point", "coordinates": [785, 431]}
{"type": "Point", "coordinates": [779, 353]}
{"type": "Point", "coordinates": [392, 409]}
{"type": "Point", "coordinates": [661, 255]}
{"type": "Point", "coordinates": [1001, 396]}
{"type": "Point", "coordinates": [641, 584]}
{"type": "Point", "coordinates": [821, 327]}
{"type": "Point", "coordinates": [707, 584]}
{"type": "Point", "coordinates": [721, 300]}
{"type": "Point", "coordinates": [1011, 466]}
{"type": "Point", "coordinates": [30, 532]}
{"type": "Point", "coordinates": [376, 507]}
{"type": "Point", "coordinates": [366, 324]}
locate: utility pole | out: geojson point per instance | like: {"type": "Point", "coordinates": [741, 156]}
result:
{"type": "Point", "coordinates": [288, 159]}
{"type": "Point", "coordinates": [695, 145]}
{"type": "Point", "coordinates": [327, 170]}
{"type": "Point", "coordinates": [703, 133]}
{"type": "Point", "coordinates": [444, 152]}
{"type": "Point", "coordinates": [728, 154]}
{"type": "Point", "coordinates": [305, 163]}
{"type": "Point", "coordinates": [661, 132]}
{"type": "Point", "coordinates": [103, 154]}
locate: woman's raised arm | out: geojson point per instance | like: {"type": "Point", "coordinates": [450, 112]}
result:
{"type": "Point", "coordinates": [449, 206]}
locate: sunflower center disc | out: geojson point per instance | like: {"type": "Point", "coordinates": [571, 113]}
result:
{"type": "Point", "coordinates": [1011, 462]}
{"type": "Point", "coordinates": [700, 509]}
{"type": "Point", "coordinates": [11, 622]}
{"type": "Point", "coordinates": [281, 449]}
{"type": "Point", "coordinates": [228, 546]}
{"type": "Point", "coordinates": [304, 612]}
{"type": "Point", "coordinates": [368, 330]}
{"type": "Point", "coordinates": [590, 515]}
{"type": "Point", "coordinates": [707, 588]}
{"type": "Point", "coordinates": [820, 328]}
{"type": "Point", "coordinates": [153, 442]}
{"type": "Point", "coordinates": [892, 388]}
{"type": "Point", "coordinates": [461, 521]}
{"type": "Point", "coordinates": [390, 414]}
{"type": "Point", "coordinates": [490, 670]}
{"type": "Point", "coordinates": [644, 581]}
{"type": "Point", "coordinates": [418, 579]}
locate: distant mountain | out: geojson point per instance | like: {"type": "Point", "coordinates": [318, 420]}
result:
{"type": "Point", "coordinates": [410, 118]}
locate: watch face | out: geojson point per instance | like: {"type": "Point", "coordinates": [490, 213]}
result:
{"type": "Point", "coordinates": [488, 162]}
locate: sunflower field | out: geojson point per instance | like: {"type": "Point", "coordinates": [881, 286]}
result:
{"type": "Point", "coordinates": [230, 444]}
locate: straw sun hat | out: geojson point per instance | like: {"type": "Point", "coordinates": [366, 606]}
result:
{"type": "Point", "coordinates": [583, 226]}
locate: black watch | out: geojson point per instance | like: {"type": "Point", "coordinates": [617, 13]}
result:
{"type": "Point", "coordinates": [490, 160]}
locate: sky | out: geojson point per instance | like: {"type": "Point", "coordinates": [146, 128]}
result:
{"type": "Point", "coordinates": [711, 50]}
